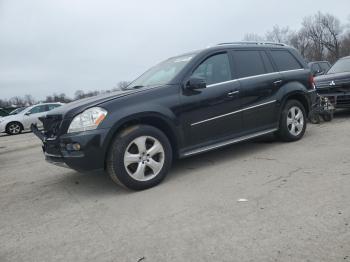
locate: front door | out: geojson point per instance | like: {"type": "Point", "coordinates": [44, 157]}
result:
{"type": "Point", "coordinates": [210, 114]}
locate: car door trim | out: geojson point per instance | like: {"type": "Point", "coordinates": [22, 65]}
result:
{"type": "Point", "coordinates": [232, 113]}
{"type": "Point", "coordinates": [255, 76]}
{"type": "Point", "coordinates": [228, 142]}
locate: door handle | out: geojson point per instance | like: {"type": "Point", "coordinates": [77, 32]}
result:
{"type": "Point", "coordinates": [232, 93]}
{"type": "Point", "coordinates": [277, 83]}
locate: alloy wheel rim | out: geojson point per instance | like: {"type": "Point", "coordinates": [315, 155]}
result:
{"type": "Point", "coordinates": [144, 158]}
{"type": "Point", "coordinates": [14, 129]}
{"type": "Point", "coordinates": [295, 121]}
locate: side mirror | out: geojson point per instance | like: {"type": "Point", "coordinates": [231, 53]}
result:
{"type": "Point", "coordinates": [28, 114]}
{"type": "Point", "coordinates": [196, 83]}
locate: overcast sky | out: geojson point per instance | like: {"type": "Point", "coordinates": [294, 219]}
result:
{"type": "Point", "coordinates": [66, 45]}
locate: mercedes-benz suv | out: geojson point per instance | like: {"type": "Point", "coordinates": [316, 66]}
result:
{"type": "Point", "coordinates": [186, 105]}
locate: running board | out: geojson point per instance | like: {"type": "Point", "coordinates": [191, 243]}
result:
{"type": "Point", "coordinates": [228, 142]}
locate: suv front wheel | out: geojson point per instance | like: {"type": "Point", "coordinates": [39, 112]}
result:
{"type": "Point", "coordinates": [292, 122]}
{"type": "Point", "coordinates": [139, 157]}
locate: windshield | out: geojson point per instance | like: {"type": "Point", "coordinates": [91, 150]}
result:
{"type": "Point", "coordinates": [162, 73]}
{"type": "Point", "coordinates": [340, 66]}
{"type": "Point", "coordinates": [16, 111]}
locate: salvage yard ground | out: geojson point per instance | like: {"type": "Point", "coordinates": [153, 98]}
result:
{"type": "Point", "coordinates": [298, 206]}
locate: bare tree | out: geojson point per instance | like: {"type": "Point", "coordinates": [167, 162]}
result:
{"type": "Point", "coordinates": [331, 38]}
{"type": "Point", "coordinates": [279, 35]}
{"type": "Point", "coordinates": [313, 29]}
{"type": "Point", "coordinates": [29, 100]}
{"type": "Point", "coordinates": [253, 37]}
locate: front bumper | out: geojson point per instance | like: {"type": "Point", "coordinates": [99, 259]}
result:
{"type": "Point", "coordinates": [338, 99]}
{"type": "Point", "coordinates": [90, 156]}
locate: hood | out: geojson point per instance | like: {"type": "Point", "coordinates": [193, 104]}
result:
{"type": "Point", "coordinates": [330, 80]}
{"type": "Point", "coordinates": [71, 109]}
{"type": "Point", "coordinates": [9, 118]}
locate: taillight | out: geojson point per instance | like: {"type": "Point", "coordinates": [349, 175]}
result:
{"type": "Point", "coordinates": [312, 82]}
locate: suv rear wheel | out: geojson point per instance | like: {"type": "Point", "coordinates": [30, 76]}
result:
{"type": "Point", "coordinates": [293, 121]}
{"type": "Point", "coordinates": [140, 157]}
{"type": "Point", "coordinates": [14, 128]}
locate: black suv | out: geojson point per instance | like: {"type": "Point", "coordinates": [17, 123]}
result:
{"type": "Point", "coordinates": [184, 106]}
{"type": "Point", "coordinates": [335, 85]}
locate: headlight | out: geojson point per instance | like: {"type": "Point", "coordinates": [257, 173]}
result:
{"type": "Point", "coordinates": [87, 120]}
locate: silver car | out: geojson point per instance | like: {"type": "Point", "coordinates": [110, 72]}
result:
{"type": "Point", "coordinates": [22, 119]}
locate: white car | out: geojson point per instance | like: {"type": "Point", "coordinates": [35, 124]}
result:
{"type": "Point", "coordinates": [21, 119]}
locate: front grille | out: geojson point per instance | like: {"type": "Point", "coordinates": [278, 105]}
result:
{"type": "Point", "coordinates": [51, 125]}
{"type": "Point", "coordinates": [343, 100]}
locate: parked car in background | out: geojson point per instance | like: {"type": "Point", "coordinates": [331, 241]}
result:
{"type": "Point", "coordinates": [319, 67]}
{"type": "Point", "coordinates": [17, 110]}
{"type": "Point", "coordinates": [335, 84]}
{"type": "Point", "coordinates": [184, 106]}
{"type": "Point", "coordinates": [22, 118]}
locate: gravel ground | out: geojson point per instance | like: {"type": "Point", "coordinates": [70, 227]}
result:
{"type": "Point", "coordinates": [298, 206]}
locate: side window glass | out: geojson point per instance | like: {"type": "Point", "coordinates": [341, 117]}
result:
{"type": "Point", "coordinates": [248, 63]}
{"type": "Point", "coordinates": [38, 109]}
{"type": "Point", "coordinates": [52, 106]}
{"type": "Point", "coordinates": [315, 68]}
{"type": "Point", "coordinates": [284, 60]}
{"type": "Point", "coordinates": [267, 62]}
{"type": "Point", "coordinates": [214, 70]}
{"type": "Point", "coordinates": [324, 66]}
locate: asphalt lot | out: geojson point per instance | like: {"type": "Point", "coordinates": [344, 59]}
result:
{"type": "Point", "coordinates": [298, 206]}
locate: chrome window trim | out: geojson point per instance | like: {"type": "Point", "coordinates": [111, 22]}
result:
{"type": "Point", "coordinates": [231, 113]}
{"type": "Point", "coordinates": [228, 142]}
{"type": "Point", "coordinates": [255, 76]}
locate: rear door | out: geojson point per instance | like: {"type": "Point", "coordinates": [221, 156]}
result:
{"type": "Point", "coordinates": [259, 85]}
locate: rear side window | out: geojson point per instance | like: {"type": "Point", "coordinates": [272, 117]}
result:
{"type": "Point", "coordinates": [248, 63]}
{"type": "Point", "coordinates": [284, 60]}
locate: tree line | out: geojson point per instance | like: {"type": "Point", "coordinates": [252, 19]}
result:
{"type": "Point", "coordinates": [28, 100]}
{"type": "Point", "coordinates": [321, 37]}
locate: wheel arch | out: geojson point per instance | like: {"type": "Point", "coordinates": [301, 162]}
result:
{"type": "Point", "coordinates": [301, 97]}
{"type": "Point", "coordinates": [152, 119]}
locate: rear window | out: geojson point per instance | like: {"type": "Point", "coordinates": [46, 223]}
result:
{"type": "Point", "coordinates": [284, 60]}
{"type": "Point", "coordinates": [248, 63]}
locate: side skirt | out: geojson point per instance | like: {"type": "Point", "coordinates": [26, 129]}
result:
{"type": "Point", "coordinates": [227, 142]}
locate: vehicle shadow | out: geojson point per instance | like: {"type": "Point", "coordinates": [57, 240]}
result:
{"type": "Point", "coordinates": [99, 183]}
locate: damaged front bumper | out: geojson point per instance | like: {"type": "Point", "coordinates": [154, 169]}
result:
{"type": "Point", "coordinates": [83, 151]}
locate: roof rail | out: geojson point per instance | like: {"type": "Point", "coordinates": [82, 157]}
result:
{"type": "Point", "coordinates": [252, 43]}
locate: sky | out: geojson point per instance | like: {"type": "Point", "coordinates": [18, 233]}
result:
{"type": "Point", "coordinates": [60, 46]}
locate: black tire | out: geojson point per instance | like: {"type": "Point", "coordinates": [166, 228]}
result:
{"type": "Point", "coordinates": [14, 128]}
{"type": "Point", "coordinates": [284, 133]}
{"type": "Point", "coordinates": [116, 168]}
{"type": "Point", "coordinates": [327, 116]}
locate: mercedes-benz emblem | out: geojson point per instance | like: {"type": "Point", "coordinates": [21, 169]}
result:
{"type": "Point", "coordinates": [332, 83]}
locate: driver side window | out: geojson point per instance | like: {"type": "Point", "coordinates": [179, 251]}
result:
{"type": "Point", "coordinates": [38, 109]}
{"type": "Point", "coordinates": [215, 69]}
